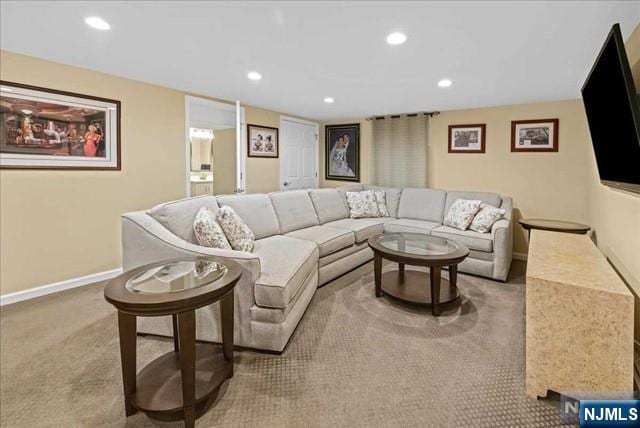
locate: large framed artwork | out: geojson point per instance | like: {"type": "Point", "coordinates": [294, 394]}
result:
{"type": "Point", "coordinates": [342, 152]}
{"type": "Point", "coordinates": [262, 141]}
{"type": "Point", "coordinates": [467, 138]}
{"type": "Point", "coordinates": [540, 135]}
{"type": "Point", "coordinates": [44, 128]}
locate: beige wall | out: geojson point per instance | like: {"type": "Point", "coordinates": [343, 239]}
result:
{"type": "Point", "coordinates": [263, 174]}
{"type": "Point", "coordinates": [546, 185]}
{"type": "Point", "coordinates": [57, 225]}
{"type": "Point", "coordinates": [366, 129]}
{"type": "Point", "coordinates": [224, 161]}
{"type": "Point", "coordinates": [615, 214]}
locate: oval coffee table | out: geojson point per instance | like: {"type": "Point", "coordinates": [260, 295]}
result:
{"type": "Point", "coordinates": [183, 383]}
{"type": "Point", "coordinates": [414, 286]}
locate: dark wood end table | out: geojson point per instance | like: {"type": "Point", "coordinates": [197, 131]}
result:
{"type": "Point", "coordinates": [553, 226]}
{"type": "Point", "coordinates": [416, 249]}
{"type": "Point", "coordinates": [183, 383]}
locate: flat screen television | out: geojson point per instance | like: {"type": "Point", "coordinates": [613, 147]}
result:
{"type": "Point", "coordinates": [612, 104]}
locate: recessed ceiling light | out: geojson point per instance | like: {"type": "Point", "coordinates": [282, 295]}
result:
{"type": "Point", "coordinates": [27, 112]}
{"type": "Point", "coordinates": [445, 83]}
{"type": "Point", "coordinates": [254, 75]}
{"type": "Point", "coordinates": [396, 38]}
{"type": "Point", "coordinates": [3, 89]}
{"type": "Point", "coordinates": [328, 100]}
{"type": "Point", "coordinates": [97, 23]}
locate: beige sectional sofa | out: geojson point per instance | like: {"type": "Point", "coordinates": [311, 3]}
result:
{"type": "Point", "coordinates": [304, 239]}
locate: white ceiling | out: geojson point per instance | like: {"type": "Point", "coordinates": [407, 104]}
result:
{"type": "Point", "coordinates": [495, 52]}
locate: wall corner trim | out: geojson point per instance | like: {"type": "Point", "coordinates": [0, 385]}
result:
{"type": "Point", "coordinates": [43, 290]}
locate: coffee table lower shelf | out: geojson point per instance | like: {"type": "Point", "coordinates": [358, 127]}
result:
{"type": "Point", "coordinates": [159, 384]}
{"type": "Point", "coordinates": [414, 287]}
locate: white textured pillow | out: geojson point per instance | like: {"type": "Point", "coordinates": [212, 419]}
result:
{"type": "Point", "coordinates": [362, 204]}
{"type": "Point", "coordinates": [381, 200]}
{"type": "Point", "coordinates": [237, 232]}
{"type": "Point", "coordinates": [461, 213]}
{"type": "Point", "coordinates": [207, 230]}
{"type": "Point", "coordinates": [485, 218]}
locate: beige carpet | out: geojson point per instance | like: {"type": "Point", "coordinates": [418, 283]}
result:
{"type": "Point", "coordinates": [354, 361]}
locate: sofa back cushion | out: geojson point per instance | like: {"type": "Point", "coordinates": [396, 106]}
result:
{"type": "Point", "coordinates": [329, 205]}
{"type": "Point", "coordinates": [492, 199]}
{"type": "Point", "coordinates": [392, 197]}
{"type": "Point", "coordinates": [294, 210]}
{"type": "Point", "coordinates": [178, 216]}
{"type": "Point", "coordinates": [422, 204]}
{"type": "Point", "coordinates": [256, 211]}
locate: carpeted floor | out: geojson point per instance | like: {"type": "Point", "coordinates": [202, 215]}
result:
{"type": "Point", "coordinates": [354, 361]}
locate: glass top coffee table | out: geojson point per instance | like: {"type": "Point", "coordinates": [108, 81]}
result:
{"type": "Point", "coordinates": [413, 286]}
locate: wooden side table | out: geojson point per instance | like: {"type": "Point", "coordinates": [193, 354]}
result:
{"type": "Point", "coordinates": [554, 226]}
{"type": "Point", "coordinates": [183, 383]}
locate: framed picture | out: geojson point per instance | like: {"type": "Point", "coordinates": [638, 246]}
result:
{"type": "Point", "coordinates": [342, 152]}
{"type": "Point", "coordinates": [467, 138]}
{"type": "Point", "coordinates": [539, 135]}
{"type": "Point", "coordinates": [44, 128]}
{"type": "Point", "coordinates": [263, 141]}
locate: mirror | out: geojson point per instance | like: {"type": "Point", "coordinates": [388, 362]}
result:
{"type": "Point", "coordinates": [212, 144]}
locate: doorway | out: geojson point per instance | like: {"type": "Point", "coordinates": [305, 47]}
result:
{"type": "Point", "coordinates": [214, 134]}
{"type": "Point", "coordinates": [299, 154]}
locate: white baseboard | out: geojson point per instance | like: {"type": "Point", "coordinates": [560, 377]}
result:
{"type": "Point", "coordinates": [520, 256]}
{"type": "Point", "coordinates": [32, 293]}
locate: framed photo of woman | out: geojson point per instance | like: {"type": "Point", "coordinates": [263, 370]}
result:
{"type": "Point", "coordinates": [342, 152]}
{"type": "Point", "coordinates": [43, 128]}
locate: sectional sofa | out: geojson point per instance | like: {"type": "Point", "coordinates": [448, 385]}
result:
{"type": "Point", "coordinates": [304, 239]}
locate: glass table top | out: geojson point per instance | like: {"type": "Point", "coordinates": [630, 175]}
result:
{"type": "Point", "coordinates": [176, 277]}
{"type": "Point", "coordinates": [554, 224]}
{"type": "Point", "coordinates": [416, 244]}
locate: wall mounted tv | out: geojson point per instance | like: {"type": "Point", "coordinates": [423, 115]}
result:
{"type": "Point", "coordinates": [612, 104]}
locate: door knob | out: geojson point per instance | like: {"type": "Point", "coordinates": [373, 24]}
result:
{"type": "Point", "coordinates": [286, 183]}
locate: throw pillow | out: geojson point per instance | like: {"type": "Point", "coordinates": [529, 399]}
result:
{"type": "Point", "coordinates": [461, 213]}
{"type": "Point", "coordinates": [362, 204]}
{"type": "Point", "coordinates": [207, 230]}
{"type": "Point", "coordinates": [381, 200]}
{"type": "Point", "coordinates": [485, 218]}
{"type": "Point", "coordinates": [237, 232]}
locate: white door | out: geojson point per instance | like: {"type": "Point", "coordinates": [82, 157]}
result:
{"type": "Point", "coordinates": [298, 154]}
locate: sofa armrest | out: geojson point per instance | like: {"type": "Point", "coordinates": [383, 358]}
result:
{"type": "Point", "coordinates": [144, 241]}
{"type": "Point", "coordinates": [502, 232]}
{"type": "Point", "coordinates": [507, 205]}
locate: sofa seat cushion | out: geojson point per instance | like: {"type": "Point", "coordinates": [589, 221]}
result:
{"type": "Point", "coordinates": [472, 240]}
{"type": "Point", "coordinates": [285, 263]}
{"type": "Point", "coordinates": [328, 239]}
{"type": "Point", "coordinates": [363, 229]}
{"type": "Point", "coordinates": [410, 226]}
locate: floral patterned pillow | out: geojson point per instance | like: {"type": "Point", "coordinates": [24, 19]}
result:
{"type": "Point", "coordinates": [236, 230]}
{"type": "Point", "coordinates": [461, 213]}
{"type": "Point", "coordinates": [207, 230]}
{"type": "Point", "coordinates": [381, 200]}
{"type": "Point", "coordinates": [362, 204]}
{"type": "Point", "coordinates": [485, 218]}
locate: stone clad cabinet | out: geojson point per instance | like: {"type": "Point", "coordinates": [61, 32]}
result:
{"type": "Point", "coordinates": [579, 320]}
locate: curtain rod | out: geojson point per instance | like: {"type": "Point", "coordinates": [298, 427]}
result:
{"type": "Point", "coordinates": [395, 116]}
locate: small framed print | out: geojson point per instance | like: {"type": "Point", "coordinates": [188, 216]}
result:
{"type": "Point", "coordinates": [262, 141]}
{"type": "Point", "coordinates": [467, 138]}
{"type": "Point", "coordinates": [540, 135]}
